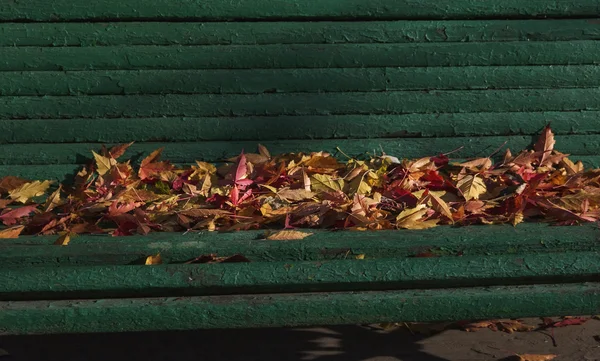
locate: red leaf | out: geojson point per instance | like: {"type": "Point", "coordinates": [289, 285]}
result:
{"type": "Point", "coordinates": [569, 322]}
{"type": "Point", "coordinates": [10, 218]}
{"type": "Point", "coordinates": [242, 172]}
{"type": "Point", "coordinates": [151, 167]}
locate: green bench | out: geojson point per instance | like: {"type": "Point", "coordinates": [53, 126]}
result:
{"type": "Point", "coordinates": [205, 80]}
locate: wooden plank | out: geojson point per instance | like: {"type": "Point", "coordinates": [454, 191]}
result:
{"type": "Point", "coordinates": [289, 32]}
{"type": "Point", "coordinates": [184, 129]}
{"type": "Point", "coordinates": [368, 103]}
{"type": "Point", "coordinates": [213, 312]}
{"type": "Point", "coordinates": [35, 283]}
{"type": "Point", "coordinates": [188, 152]}
{"type": "Point", "coordinates": [104, 250]}
{"type": "Point", "coordinates": [257, 81]}
{"type": "Point", "coordinates": [65, 172]}
{"type": "Point", "coordinates": [67, 10]}
{"type": "Point", "coordinates": [299, 56]}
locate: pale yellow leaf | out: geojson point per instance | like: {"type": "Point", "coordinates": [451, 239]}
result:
{"type": "Point", "coordinates": [360, 256]}
{"type": "Point", "coordinates": [54, 200]}
{"type": "Point", "coordinates": [326, 183]}
{"type": "Point", "coordinates": [295, 194]}
{"type": "Point", "coordinates": [63, 240]}
{"type": "Point", "coordinates": [12, 232]}
{"type": "Point", "coordinates": [439, 205]}
{"type": "Point", "coordinates": [103, 164]}
{"type": "Point", "coordinates": [412, 218]}
{"type": "Point", "coordinates": [471, 187]}
{"type": "Point", "coordinates": [153, 260]}
{"type": "Point", "coordinates": [29, 190]}
{"type": "Point", "coordinates": [286, 235]}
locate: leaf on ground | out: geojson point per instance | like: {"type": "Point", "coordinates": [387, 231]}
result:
{"type": "Point", "coordinates": [545, 144]}
{"type": "Point", "coordinates": [54, 200]}
{"type": "Point", "coordinates": [294, 195]}
{"type": "Point", "coordinates": [326, 183]}
{"type": "Point", "coordinates": [569, 322]}
{"type": "Point", "coordinates": [536, 357]}
{"type": "Point", "coordinates": [287, 235]}
{"type": "Point", "coordinates": [153, 260]}
{"type": "Point", "coordinates": [12, 232]}
{"type": "Point", "coordinates": [412, 218]}
{"type": "Point", "coordinates": [27, 191]}
{"type": "Point", "coordinates": [118, 150]}
{"type": "Point", "coordinates": [151, 167]}
{"type": "Point", "coordinates": [438, 204]}
{"type": "Point", "coordinates": [9, 218]}
{"type": "Point", "coordinates": [9, 183]}
{"type": "Point", "coordinates": [471, 186]}
{"type": "Point", "coordinates": [63, 240]}
{"type": "Point", "coordinates": [360, 256]}
{"type": "Point", "coordinates": [103, 164]}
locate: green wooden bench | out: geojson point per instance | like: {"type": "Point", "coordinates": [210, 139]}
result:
{"type": "Point", "coordinates": [207, 79]}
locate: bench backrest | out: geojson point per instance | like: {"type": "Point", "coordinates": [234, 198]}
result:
{"type": "Point", "coordinates": [407, 77]}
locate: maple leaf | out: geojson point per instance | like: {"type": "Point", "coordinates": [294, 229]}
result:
{"type": "Point", "coordinates": [151, 167]}
{"type": "Point", "coordinates": [287, 235]}
{"type": "Point", "coordinates": [12, 232]}
{"type": "Point", "coordinates": [545, 144]}
{"type": "Point", "coordinates": [118, 150]}
{"type": "Point", "coordinates": [471, 186]}
{"type": "Point", "coordinates": [27, 191]}
{"type": "Point", "coordinates": [103, 164]}
{"type": "Point", "coordinates": [412, 218]}
{"type": "Point", "coordinates": [11, 217]}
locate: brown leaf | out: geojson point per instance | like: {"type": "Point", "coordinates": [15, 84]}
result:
{"type": "Point", "coordinates": [118, 150]}
{"type": "Point", "coordinates": [9, 183]}
{"type": "Point", "coordinates": [203, 212]}
{"type": "Point", "coordinates": [295, 195]}
{"type": "Point", "coordinates": [153, 260]}
{"type": "Point", "coordinates": [545, 144]}
{"type": "Point", "coordinates": [12, 232]}
{"type": "Point", "coordinates": [287, 235]}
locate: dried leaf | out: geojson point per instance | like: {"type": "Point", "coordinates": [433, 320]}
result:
{"type": "Point", "coordinates": [545, 144]}
{"type": "Point", "coordinates": [360, 256]}
{"type": "Point", "coordinates": [53, 201]}
{"type": "Point", "coordinates": [471, 187]}
{"type": "Point", "coordinates": [103, 164]}
{"type": "Point", "coordinates": [11, 217]}
{"type": "Point", "coordinates": [326, 183]}
{"type": "Point", "coordinates": [63, 240]}
{"type": "Point", "coordinates": [153, 260]}
{"type": "Point", "coordinates": [9, 183]}
{"type": "Point", "coordinates": [12, 232]}
{"type": "Point", "coordinates": [27, 191]}
{"type": "Point", "coordinates": [294, 195]}
{"type": "Point", "coordinates": [151, 167]}
{"type": "Point", "coordinates": [536, 357]}
{"type": "Point", "coordinates": [287, 235]}
{"type": "Point", "coordinates": [412, 218]}
{"type": "Point", "coordinates": [118, 150]}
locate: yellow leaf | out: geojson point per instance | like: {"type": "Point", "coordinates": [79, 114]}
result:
{"type": "Point", "coordinates": [439, 205]}
{"type": "Point", "coordinates": [63, 240]}
{"type": "Point", "coordinates": [287, 235]}
{"type": "Point", "coordinates": [534, 357]}
{"type": "Point", "coordinates": [471, 187]}
{"type": "Point", "coordinates": [360, 186]}
{"type": "Point", "coordinates": [29, 190]}
{"type": "Point", "coordinates": [103, 164]}
{"type": "Point", "coordinates": [360, 256]}
{"type": "Point", "coordinates": [326, 183]}
{"type": "Point", "coordinates": [54, 200]}
{"type": "Point", "coordinates": [412, 218]}
{"type": "Point", "coordinates": [154, 260]}
{"type": "Point", "coordinates": [295, 194]}
{"type": "Point", "coordinates": [12, 232]}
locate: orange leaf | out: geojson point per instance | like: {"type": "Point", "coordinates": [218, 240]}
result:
{"type": "Point", "coordinates": [118, 150]}
{"type": "Point", "coordinates": [13, 232]}
{"type": "Point", "coordinates": [545, 144]}
{"type": "Point", "coordinates": [535, 357]}
{"type": "Point", "coordinates": [153, 260]}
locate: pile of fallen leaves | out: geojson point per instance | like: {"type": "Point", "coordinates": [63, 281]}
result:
{"type": "Point", "coordinates": [303, 190]}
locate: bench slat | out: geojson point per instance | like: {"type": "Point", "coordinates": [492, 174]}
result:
{"type": "Point", "coordinates": [65, 172]}
{"type": "Point", "coordinates": [257, 81]}
{"type": "Point", "coordinates": [186, 313]}
{"type": "Point", "coordinates": [103, 250]}
{"type": "Point", "coordinates": [305, 127]}
{"type": "Point", "coordinates": [392, 102]}
{"type": "Point", "coordinates": [188, 152]}
{"type": "Point", "coordinates": [299, 56]}
{"type": "Point", "coordinates": [325, 32]}
{"type": "Point", "coordinates": [61, 10]}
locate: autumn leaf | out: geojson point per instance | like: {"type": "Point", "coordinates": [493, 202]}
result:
{"type": "Point", "coordinates": [103, 164]}
{"type": "Point", "coordinates": [536, 357]}
{"type": "Point", "coordinates": [63, 240]}
{"type": "Point", "coordinates": [241, 173]}
{"type": "Point", "coordinates": [27, 191]}
{"type": "Point", "coordinates": [545, 144]}
{"type": "Point", "coordinates": [326, 183]}
{"type": "Point", "coordinates": [153, 260]}
{"type": "Point", "coordinates": [53, 201]}
{"type": "Point", "coordinates": [12, 232]}
{"type": "Point", "coordinates": [151, 166]}
{"type": "Point", "coordinates": [471, 186]}
{"type": "Point", "coordinates": [360, 256]}
{"type": "Point", "coordinates": [412, 218]}
{"type": "Point", "coordinates": [438, 204]}
{"type": "Point", "coordinates": [287, 235]}
{"type": "Point", "coordinates": [9, 183]}
{"type": "Point", "coordinates": [295, 195]}
{"type": "Point", "coordinates": [11, 217]}
{"type": "Point", "coordinates": [118, 150]}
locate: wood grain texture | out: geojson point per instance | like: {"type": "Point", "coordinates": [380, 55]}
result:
{"type": "Point", "coordinates": [289, 32]}
{"type": "Point", "coordinates": [185, 313]}
{"type": "Point", "coordinates": [188, 152]}
{"type": "Point", "coordinates": [299, 56]}
{"type": "Point", "coordinates": [65, 10]}
{"type": "Point", "coordinates": [367, 103]}
{"type": "Point", "coordinates": [258, 81]}
{"type": "Point", "coordinates": [104, 250]}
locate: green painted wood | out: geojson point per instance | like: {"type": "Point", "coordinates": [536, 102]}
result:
{"type": "Point", "coordinates": [35, 283]}
{"type": "Point", "coordinates": [393, 102]}
{"type": "Point", "coordinates": [299, 56]}
{"type": "Point", "coordinates": [61, 10]}
{"type": "Point", "coordinates": [186, 313]}
{"type": "Point", "coordinates": [256, 81]}
{"type": "Point", "coordinates": [103, 250]}
{"type": "Point", "coordinates": [188, 152]}
{"type": "Point", "coordinates": [184, 129]}
{"type": "Point", "coordinates": [65, 172]}
{"type": "Point", "coordinates": [289, 32]}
